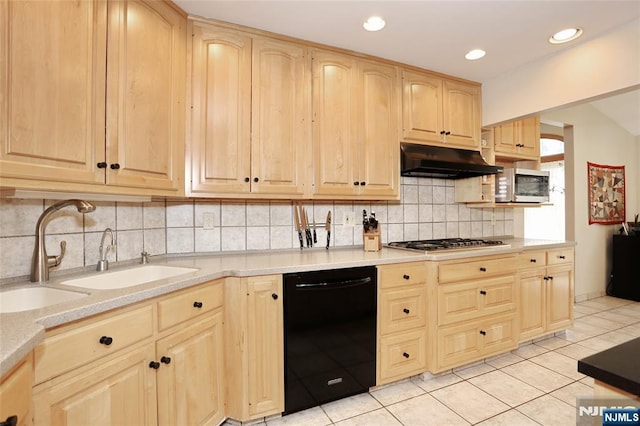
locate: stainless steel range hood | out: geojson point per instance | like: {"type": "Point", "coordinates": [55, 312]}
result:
{"type": "Point", "coordinates": [439, 162]}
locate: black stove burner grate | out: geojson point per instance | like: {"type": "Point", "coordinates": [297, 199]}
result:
{"type": "Point", "coordinates": [443, 244]}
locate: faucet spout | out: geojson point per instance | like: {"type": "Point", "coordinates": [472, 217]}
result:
{"type": "Point", "coordinates": [41, 261]}
{"type": "Point", "coordinates": [103, 263]}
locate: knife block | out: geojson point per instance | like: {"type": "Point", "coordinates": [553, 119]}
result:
{"type": "Point", "coordinates": [372, 240]}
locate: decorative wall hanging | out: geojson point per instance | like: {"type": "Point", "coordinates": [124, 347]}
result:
{"type": "Point", "coordinates": [606, 194]}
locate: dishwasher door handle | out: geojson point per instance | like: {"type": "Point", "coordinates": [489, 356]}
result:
{"type": "Point", "coordinates": [331, 285]}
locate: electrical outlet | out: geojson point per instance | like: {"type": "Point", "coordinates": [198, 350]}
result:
{"type": "Point", "coordinates": [349, 219]}
{"type": "Point", "coordinates": [207, 220]}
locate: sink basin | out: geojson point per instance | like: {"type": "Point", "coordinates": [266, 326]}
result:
{"type": "Point", "coordinates": [128, 277]}
{"type": "Point", "coordinates": [28, 298]}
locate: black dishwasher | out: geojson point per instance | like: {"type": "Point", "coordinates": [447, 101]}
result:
{"type": "Point", "coordinates": [329, 335]}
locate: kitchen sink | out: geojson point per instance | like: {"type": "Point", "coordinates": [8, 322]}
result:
{"type": "Point", "coordinates": [128, 277]}
{"type": "Point", "coordinates": [29, 298]}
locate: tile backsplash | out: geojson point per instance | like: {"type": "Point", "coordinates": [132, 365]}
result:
{"type": "Point", "coordinates": [427, 210]}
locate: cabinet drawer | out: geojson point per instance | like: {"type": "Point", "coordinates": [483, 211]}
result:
{"type": "Point", "coordinates": [402, 355]}
{"type": "Point", "coordinates": [559, 256]}
{"type": "Point", "coordinates": [75, 345]}
{"type": "Point", "coordinates": [474, 269]}
{"type": "Point", "coordinates": [401, 274]}
{"type": "Point", "coordinates": [465, 343]}
{"type": "Point", "coordinates": [470, 300]}
{"type": "Point", "coordinates": [189, 304]}
{"type": "Point", "coordinates": [532, 259]}
{"type": "Point", "coordinates": [402, 309]}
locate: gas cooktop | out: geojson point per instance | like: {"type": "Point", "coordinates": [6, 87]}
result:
{"type": "Point", "coordinates": [446, 244]}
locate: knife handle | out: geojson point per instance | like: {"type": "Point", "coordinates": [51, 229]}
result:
{"type": "Point", "coordinates": [328, 238]}
{"type": "Point", "coordinates": [300, 238]}
{"type": "Point", "coordinates": [315, 237]}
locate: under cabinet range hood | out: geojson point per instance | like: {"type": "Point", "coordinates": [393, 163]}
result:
{"type": "Point", "coordinates": [445, 163]}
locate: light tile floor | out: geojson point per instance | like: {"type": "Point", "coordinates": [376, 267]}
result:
{"type": "Point", "coordinates": [536, 384]}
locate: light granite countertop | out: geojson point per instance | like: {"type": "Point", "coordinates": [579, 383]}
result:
{"type": "Point", "coordinates": [20, 332]}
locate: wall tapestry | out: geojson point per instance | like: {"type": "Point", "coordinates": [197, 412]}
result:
{"type": "Point", "coordinates": [606, 194]}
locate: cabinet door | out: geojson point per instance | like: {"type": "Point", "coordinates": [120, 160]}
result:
{"type": "Point", "coordinates": [280, 117]}
{"type": "Point", "coordinates": [559, 297]}
{"type": "Point", "coordinates": [265, 344]}
{"type": "Point", "coordinates": [121, 391]}
{"type": "Point", "coordinates": [506, 137]}
{"type": "Point", "coordinates": [335, 124]}
{"type": "Point", "coordinates": [457, 345]}
{"type": "Point", "coordinates": [221, 111]}
{"type": "Point", "coordinates": [377, 150]}
{"type": "Point", "coordinates": [52, 77]}
{"type": "Point", "coordinates": [461, 117]}
{"type": "Point", "coordinates": [532, 304]}
{"type": "Point", "coordinates": [422, 114]}
{"type": "Point", "coordinates": [145, 95]}
{"type": "Point", "coordinates": [190, 377]}
{"type": "Point", "coordinates": [15, 392]}
{"type": "Point", "coordinates": [530, 136]}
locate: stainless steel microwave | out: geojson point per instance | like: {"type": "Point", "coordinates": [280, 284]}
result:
{"type": "Point", "coordinates": [515, 185]}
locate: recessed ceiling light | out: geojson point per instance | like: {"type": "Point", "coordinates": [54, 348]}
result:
{"type": "Point", "coordinates": [565, 35]}
{"type": "Point", "coordinates": [374, 23]}
{"type": "Point", "coordinates": [475, 54]}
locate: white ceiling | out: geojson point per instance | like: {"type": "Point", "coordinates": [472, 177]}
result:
{"type": "Point", "coordinates": [435, 34]}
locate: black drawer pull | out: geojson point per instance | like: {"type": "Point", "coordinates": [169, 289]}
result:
{"type": "Point", "coordinates": [483, 292]}
{"type": "Point", "coordinates": [406, 311]}
{"type": "Point", "coordinates": [115, 166]}
{"type": "Point", "coordinates": [255, 179]}
{"type": "Point", "coordinates": [363, 183]}
{"type": "Point", "coordinates": [274, 296]}
{"type": "Point", "coordinates": [483, 269]}
{"type": "Point", "coordinates": [106, 340]}
{"type": "Point", "coordinates": [561, 257]}
{"type": "Point", "coordinates": [532, 260]}
{"type": "Point", "coordinates": [165, 360]}
{"type": "Point", "coordinates": [483, 332]}
{"type": "Point", "coordinates": [246, 179]}
{"type": "Point", "coordinates": [406, 355]}
{"type": "Point", "coordinates": [356, 183]}
{"type": "Point", "coordinates": [406, 277]}
{"type": "Point", "coordinates": [154, 364]}
{"type": "Point", "coordinates": [197, 305]}
{"type": "Point", "coordinates": [102, 165]}
{"type": "Point", "coordinates": [11, 421]}
{"type": "Point", "coordinates": [550, 277]}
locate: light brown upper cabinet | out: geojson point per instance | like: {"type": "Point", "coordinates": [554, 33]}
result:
{"type": "Point", "coordinates": [250, 99]}
{"type": "Point", "coordinates": [441, 112]}
{"type": "Point", "coordinates": [93, 94]}
{"type": "Point", "coordinates": [355, 127]}
{"type": "Point", "coordinates": [518, 139]}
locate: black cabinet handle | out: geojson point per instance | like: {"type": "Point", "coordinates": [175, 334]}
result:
{"type": "Point", "coordinates": [255, 179]}
{"type": "Point", "coordinates": [483, 292]}
{"type": "Point", "coordinates": [165, 360]}
{"type": "Point", "coordinates": [115, 166]}
{"type": "Point", "coordinates": [483, 332]}
{"type": "Point", "coordinates": [274, 296]}
{"type": "Point", "coordinates": [406, 277]}
{"type": "Point", "coordinates": [442, 132]}
{"type": "Point", "coordinates": [363, 183]}
{"type": "Point", "coordinates": [406, 355]}
{"type": "Point", "coordinates": [11, 421]}
{"type": "Point", "coordinates": [532, 260]}
{"type": "Point", "coordinates": [561, 257]}
{"type": "Point", "coordinates": [102, 165]}
{"type": "Point", "coordinates": [356, 183]}
{"type": "Point", "coordinates": [106, 340]}
{"type": "Point", "coordinates": [246, 179]}
{"type": "Point", "coordinates": [197, 305]}
{"type": "Point", "coordinates": [550, 277]}
{"type": "Point", "coordinates": [447, 133]}
{"type": "Point", "coordinates": [406, 311]}
{"type": "Point", "coordinates": [154, 364]}
{"type": "Point", "coordinates": [483, 269]}
{"type": "Point", "coordinates": [546, 278]}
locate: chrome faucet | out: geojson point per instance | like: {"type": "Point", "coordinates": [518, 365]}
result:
{"type": "Point", "coordinates": [41, 262]}
{"type": "Point", "coordinates": [103, 263]}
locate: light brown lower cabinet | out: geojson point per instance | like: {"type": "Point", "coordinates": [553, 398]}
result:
{"type": "Point", "coordinates": [120, 368]}
{"type": "Point", "coordinates": [15, 392]}
{"type": "Point", "coordinates": [254, 347]}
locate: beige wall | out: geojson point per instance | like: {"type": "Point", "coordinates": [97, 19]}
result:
{"type": "Point", "coordinates": [593, 68]}
{"type": "Point", "coordinates": [593, 137]}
